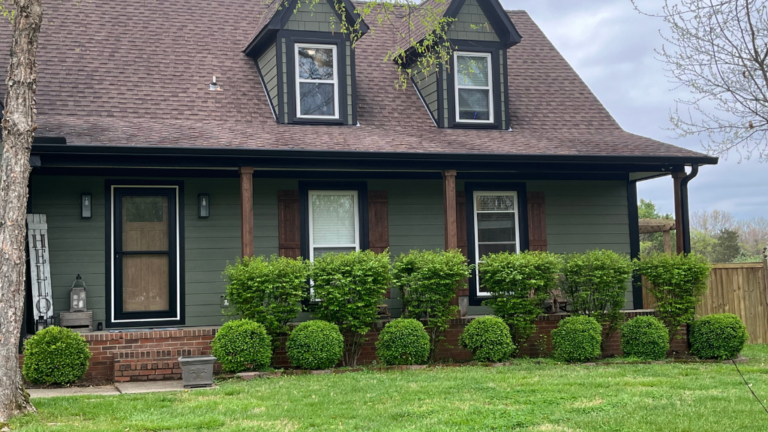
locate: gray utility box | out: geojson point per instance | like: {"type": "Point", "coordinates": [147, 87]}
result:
{"type": "Point", "coordinates": [197, 371]}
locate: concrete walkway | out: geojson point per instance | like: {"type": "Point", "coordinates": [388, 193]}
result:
{"type": "Point", "coordinates": [110, 390]}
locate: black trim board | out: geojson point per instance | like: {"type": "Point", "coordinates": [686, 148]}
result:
{"type": "Point", "coordinates": [522, 220]}
{"type": "Point", "coordinates": [634, 241]}
{"type": "Point", "coordinates": [109, 258]}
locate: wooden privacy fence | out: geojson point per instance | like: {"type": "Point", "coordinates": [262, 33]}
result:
{"type": "Point", "coordinates": [740, 289]}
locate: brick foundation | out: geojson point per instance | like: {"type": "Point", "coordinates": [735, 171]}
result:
{"type": "Point", "coordinates": [153, 355]}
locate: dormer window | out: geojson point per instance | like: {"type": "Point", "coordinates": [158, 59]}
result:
{"type": "Point", "coordinates": [474, 87]}
{"type": "Point", "coordinates": [316, 81]}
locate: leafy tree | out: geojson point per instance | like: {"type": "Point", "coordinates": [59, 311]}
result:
{"type": "Point", "coordinates": [654, 242]}
{"type": "Point", "coordinates": [18, 128]}
{"type": "Point", "coordinates": [717, 50]}
{"type": "Point", "coordinates": [727, 247]}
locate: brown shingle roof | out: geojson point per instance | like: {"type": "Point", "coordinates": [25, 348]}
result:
{"type": "Point", "coordinates": [137, 73]}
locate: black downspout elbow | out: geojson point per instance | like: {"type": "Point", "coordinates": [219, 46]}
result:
{"type": "Point", "coordinates": [684, 203]}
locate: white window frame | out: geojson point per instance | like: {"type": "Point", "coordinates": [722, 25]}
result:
{"type": "Point", "coordinates": [456, 85]}
{"type": "Point", "coordinates": [112, 250]}
{"type": "Point", "coordinates": [335, 81]}
{"type": "Point", "coordinates": [356, 245]}
{"type": "Point", "coordinates": [475, 195]}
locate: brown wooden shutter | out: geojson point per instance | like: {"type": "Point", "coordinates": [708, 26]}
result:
{"type": "Point", "coordinates": [378, 221]}
{"type": "Point", "coordinates": [289, 223]}
{"type": "Point", "coordinates": [537, 222]}
{"type": "Point", "coordinates": [461, 222]}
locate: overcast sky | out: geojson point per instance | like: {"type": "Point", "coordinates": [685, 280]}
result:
{"type": "Point", "coordinates": [612, 47]}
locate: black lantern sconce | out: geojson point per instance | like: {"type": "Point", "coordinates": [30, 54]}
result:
{"type": "Point", "coordinates": [203, 206]}
{"type": "Point", "coordinates": [86, 206]}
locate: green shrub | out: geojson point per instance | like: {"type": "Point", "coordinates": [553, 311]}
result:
{"type": "Point", "coordinates": [315, 345]}
{"type": "Point", "coordinates": [267, 290]}
{"type": "Point", "coordinates": [428, 281]}
{"type": "Point", "coordinates": [350, 287]}
{"type": "Point", "coordinates": [489, 339]}
{"type": "Point", "coordinates": [242, 345]}
{"type": "Point", "coordinates": [720, 336]}
{"type": "Point", "coordinates": [678, 282]}
{"type": "Point", "coordinates": [577, 339]}
{"type": "Point", "coordinates": [403, 342]}
{"type": "Point", "coordinates": [595, 284]}
{"type": "Point", "coordinates": [519, 284]}
{"type": "Point", "coordinates": [55, 355]}
{"type": "Point", "coordinates": [644, 337]}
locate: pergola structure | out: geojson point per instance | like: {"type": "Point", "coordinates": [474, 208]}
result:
{"type": "Point", "coordinates": [650, 226]}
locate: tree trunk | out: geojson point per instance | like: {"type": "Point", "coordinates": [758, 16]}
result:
{"type": "Point", "coordinates": [18, 131]}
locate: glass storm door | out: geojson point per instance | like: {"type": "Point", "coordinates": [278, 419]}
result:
{"type": "Point", "coordinates": [145, 254]}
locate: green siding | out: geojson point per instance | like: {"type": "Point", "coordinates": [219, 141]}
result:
{"type": "Point", "coordinates": [472, 24]}
{"type": "Point", "coordinates": [581, 215]}
{"type": "Point", "coordinates": [349, 81]}
{"type": "Point", "coordinates": [268, 67]}
{"type": "Point", "coordinates": [285, 80]}
{"type": "Point", "coordinates": [317, 17]}
{"type": "Point", "coordinates": [426, 82]}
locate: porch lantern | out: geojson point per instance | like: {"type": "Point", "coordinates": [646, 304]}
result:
{"type": "Point", "coordinates": [203, 206]}
{"type": "Point", "coordinates": [86, 205]}
{"type": "Point", "coordinates": [77, 302]}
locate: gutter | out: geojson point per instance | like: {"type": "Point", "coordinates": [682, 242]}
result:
{"type": "Point", "coordinates": [225, 152]}
{"type": "Point", "coordinates": [684, 203]}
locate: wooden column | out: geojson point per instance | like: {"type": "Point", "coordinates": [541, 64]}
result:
{"type": "Point", "coordinates": [449, 204]}
{"type": "Point", "coordinates": [677, 178]}
{"type": "Point", "coordinates": [246, 210]}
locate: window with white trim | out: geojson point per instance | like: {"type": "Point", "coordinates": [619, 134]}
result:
{"type": "Point", "coordinates": [317, 80]}
{"type": "Point", "coordinates": [496, 227]}
{"type": "Point", "coordinates": [474, 95]}
{"type": "Point", "coordinates": [333, 222]}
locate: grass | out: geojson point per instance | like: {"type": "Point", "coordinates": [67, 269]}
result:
{"type": "Point", "coordinates": [530, 396]}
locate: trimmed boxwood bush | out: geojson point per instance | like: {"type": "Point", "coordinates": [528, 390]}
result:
{"type": "Point", "coordinates": [55, 355]}
{"type": "Point", "coordinates": [242, 345]}
{"type": "Point", "coordinates": [719, 336]}
{"type": "Point", "coordinates": [489, 339]}
{"type": "Point", "coordinates": [577, 339]}
{"type": "Point", "coordinates": [403, 342]}
{"type": "Point", "coordinates": [315, 345]}
{"type": "Point", "coordinates": [645, 337]}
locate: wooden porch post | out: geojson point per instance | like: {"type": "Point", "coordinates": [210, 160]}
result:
{"type": "Point", "coordinates": [677, 178]}
{"type": "Point", "coordinates": [246, 210]}
{"type": "Point", "coordinates": [449, 204]}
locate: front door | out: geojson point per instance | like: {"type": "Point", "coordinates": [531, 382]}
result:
{"type": "Point", "coordinates": [145, 255]}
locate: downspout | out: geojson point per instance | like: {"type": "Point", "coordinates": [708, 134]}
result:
{"type": "Point", "coordinates": [684, 203]}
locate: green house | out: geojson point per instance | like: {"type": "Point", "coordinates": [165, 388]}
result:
{"type": "Point", "coordinates": [176, 137]}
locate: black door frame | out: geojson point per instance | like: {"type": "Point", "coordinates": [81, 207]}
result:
{"type": "Point", "coordinates": [174, 191]}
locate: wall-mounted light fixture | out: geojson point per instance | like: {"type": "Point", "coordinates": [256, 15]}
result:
{"type": "Point", "coordinates": [86, 206]}
{"type": "Point", "coordinates": [203, 205]}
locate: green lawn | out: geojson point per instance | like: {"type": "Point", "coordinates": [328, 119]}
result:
{"type": "Point", "coordinates": [525, 396]}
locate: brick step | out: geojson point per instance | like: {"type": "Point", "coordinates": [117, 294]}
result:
{"type": "Point", "coordinates": [150, 365]}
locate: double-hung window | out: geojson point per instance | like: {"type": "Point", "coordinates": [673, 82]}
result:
{"type": "Point", "coordinates": [474, 95]}
{"type": "Point", "coordinates": [496, 227]}
{"type": "Point", "coordinates": [317, 81]}
{"type": "Point", "coordinates": [333, 222]}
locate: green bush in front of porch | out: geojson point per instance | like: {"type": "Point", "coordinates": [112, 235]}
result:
{"type": "Point", "coordinates": [519, 284]}
{"type": "Point", "coordinates": [428, 281]}
{"type": "Point", "coordinates": [349, 287]}
{"type": "Point", "coordinates": [267, 290]}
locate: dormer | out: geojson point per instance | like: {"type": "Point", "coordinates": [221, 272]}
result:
{"type": "Point", "coordinates": [470, 91]}
{"type": "Point", "coordinates": [306, 63]}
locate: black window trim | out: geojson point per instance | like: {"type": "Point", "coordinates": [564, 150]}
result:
{"type": "Point", "coordinates": [159, 318]}
{"type": "Point", "coordinates": [480, 47]}
{"type": "Point", "coordinates": [522, 202]}
{"type": "Point", "coordinates": [292, 37]}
